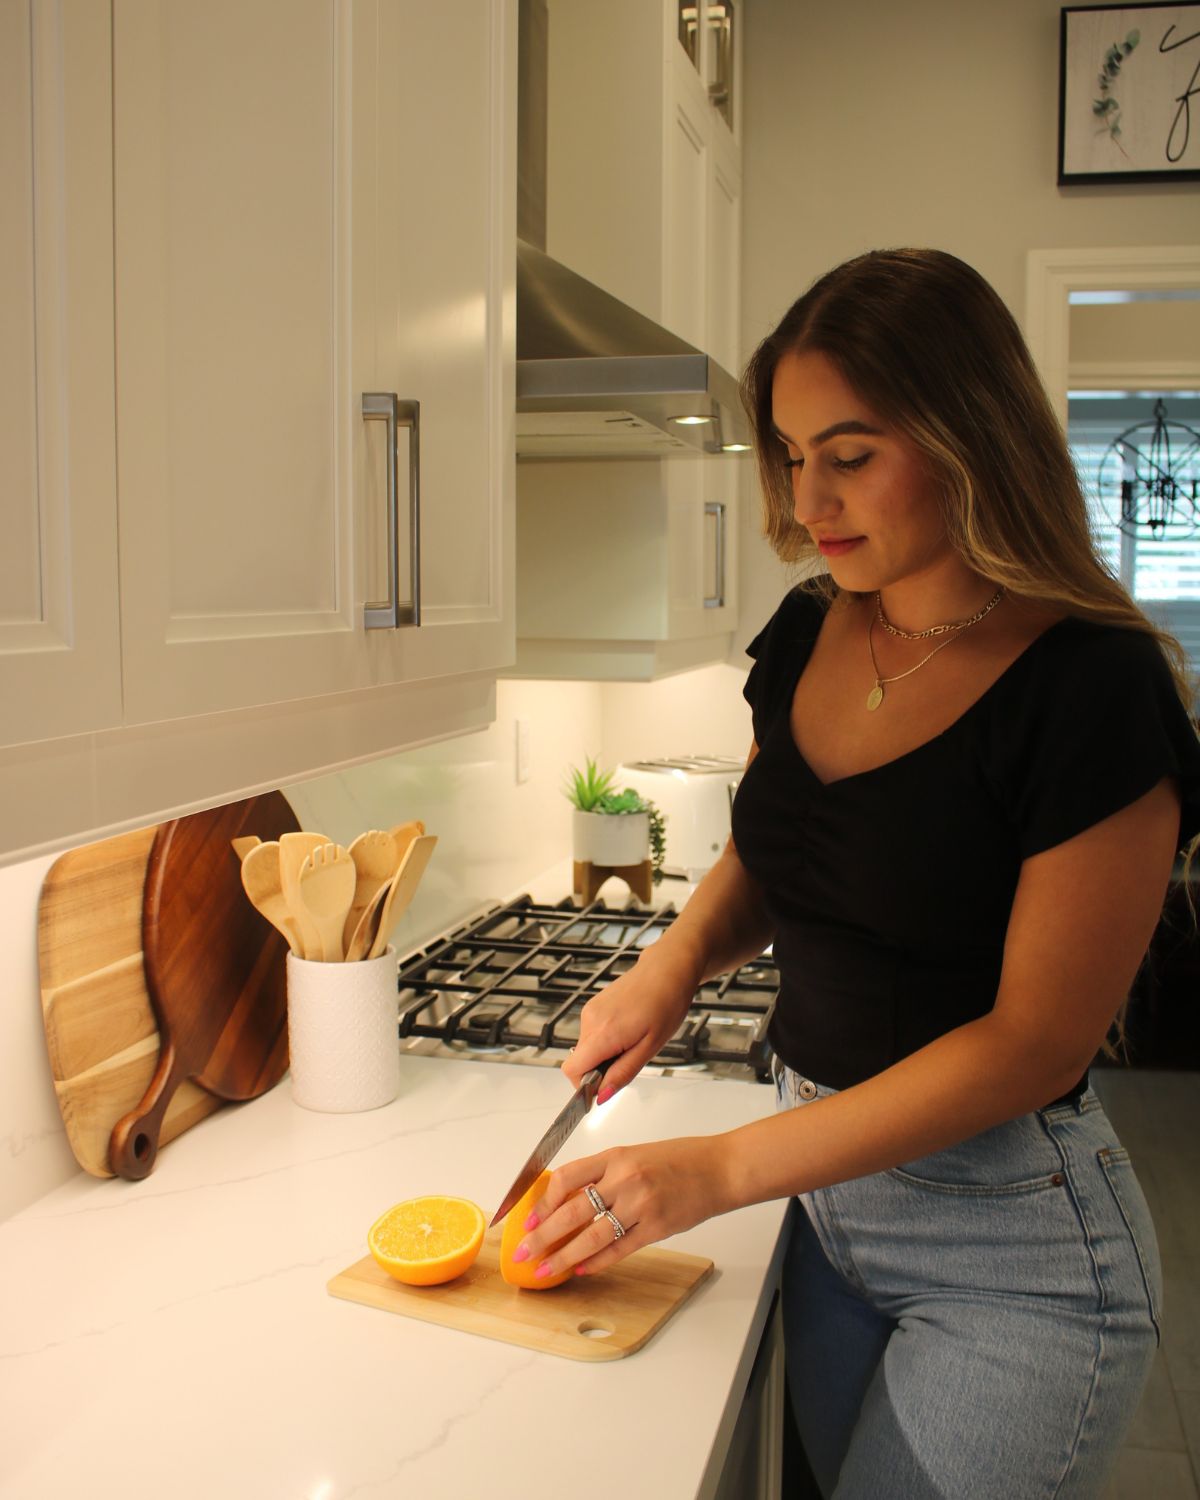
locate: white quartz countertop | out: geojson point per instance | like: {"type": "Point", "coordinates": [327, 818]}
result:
{"type": "Point", "coordinates": [174, 1337]}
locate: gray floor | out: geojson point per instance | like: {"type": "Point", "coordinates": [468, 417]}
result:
{"type": "Point", "coordinates": [1157, 1116]}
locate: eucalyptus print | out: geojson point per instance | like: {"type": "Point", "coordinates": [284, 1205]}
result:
{"type": "Point", "coordinates": [1106, 108]}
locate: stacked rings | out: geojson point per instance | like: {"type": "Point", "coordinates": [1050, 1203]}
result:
{"type": "Point", "coordinates": [604, 1212]}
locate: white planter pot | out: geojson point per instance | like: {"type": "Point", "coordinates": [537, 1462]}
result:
{"type": "Point", "coordinates": [611, 839]}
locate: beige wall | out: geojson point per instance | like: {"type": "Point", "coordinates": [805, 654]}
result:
{"type": "Point", "coordinates": [932, 122]}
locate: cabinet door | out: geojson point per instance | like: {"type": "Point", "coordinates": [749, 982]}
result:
{"type": "Point", "coordinates": [59, 636]}
{"type": "Point", "coordinates": [702, 497]}
{"type": "Point", "coordinates": [444, 79]}
{"type": "Point", "coordinates": [278, 255]}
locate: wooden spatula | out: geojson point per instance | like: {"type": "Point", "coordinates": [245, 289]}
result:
{"type": "Point", "coordinates": [294, 849]}
{"type": "Point", "coordinates": [375, 859]}
{"type": "Point", "coordinates": [326, 888]}
{"type": "Point", "coordinates": [402, 890]}
{"type": "Point", "coordinates": [261, 882]}
{"type": "Point", "coordinates": [377, 856]}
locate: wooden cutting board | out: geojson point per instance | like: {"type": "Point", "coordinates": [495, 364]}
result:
{"type": "Point", "coordinates": [102, 1033]}
{"type": "Point", "coordinates": [606, 1316]}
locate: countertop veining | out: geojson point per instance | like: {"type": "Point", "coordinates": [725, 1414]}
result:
{"type": "Point", "coordinates": [174, 1336]}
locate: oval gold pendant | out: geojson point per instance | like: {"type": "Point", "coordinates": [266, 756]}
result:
{"type": "Point", "coordinates": [875, 697]}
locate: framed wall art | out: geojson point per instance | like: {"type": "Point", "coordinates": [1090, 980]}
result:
{"type": "Point", "coordinates": [1129, 84]}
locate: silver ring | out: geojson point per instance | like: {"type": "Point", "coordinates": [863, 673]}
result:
{"type": "Point", "coordinates": [618, 1227]}
{"type": "Point", "coordinates": [597, 1202]}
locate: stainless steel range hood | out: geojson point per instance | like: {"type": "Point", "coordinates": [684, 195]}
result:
{"type": "Point", "coordinates": [595, 379]}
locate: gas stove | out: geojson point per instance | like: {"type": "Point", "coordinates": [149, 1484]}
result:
{"type": "Point", "coordinates": [508, 986]}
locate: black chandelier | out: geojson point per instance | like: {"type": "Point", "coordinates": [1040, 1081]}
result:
{"type": "Point", "coordinates": [1149, 479]}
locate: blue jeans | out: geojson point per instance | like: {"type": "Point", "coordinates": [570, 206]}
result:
{"type": "Point", "coordinates": [976, 1325]}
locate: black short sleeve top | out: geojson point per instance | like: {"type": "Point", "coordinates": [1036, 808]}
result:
{"type": "Point", "coordinates": [891, 889]}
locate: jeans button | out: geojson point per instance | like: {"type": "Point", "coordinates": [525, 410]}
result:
{"type": "Point", "coordinates": [807, 1089]}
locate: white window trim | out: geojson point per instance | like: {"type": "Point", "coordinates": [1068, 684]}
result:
{"type": "Point", "coordinates": [1052, 275]}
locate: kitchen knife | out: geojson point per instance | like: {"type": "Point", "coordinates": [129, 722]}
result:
{"type": "Point", "coordinates": [555, 1138]}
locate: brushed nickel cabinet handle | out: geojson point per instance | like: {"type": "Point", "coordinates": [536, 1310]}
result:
{"type": "Point", "coordinates": [386, 406]}
{"type": "Point", "coordinates": [716, 509]}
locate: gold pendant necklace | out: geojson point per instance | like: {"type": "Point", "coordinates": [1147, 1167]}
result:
{"type": "Point", "coordinates": [875, 696]}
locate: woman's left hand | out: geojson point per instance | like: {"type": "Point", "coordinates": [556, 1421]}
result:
{"type": "Point", "coordinates": [654, 1190]}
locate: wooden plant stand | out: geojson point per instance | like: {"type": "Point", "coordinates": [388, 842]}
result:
{"type": "Point", "coordinates": [589, 878]}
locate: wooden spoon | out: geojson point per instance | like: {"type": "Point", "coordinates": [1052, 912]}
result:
{"type": "Point", "coordinates": [377, 856]}
{"type": "Point", "coordinates": [294, 849]}
{"type": "Point", "coordinates": [404, 833]}
{"type": "Point", "coordinates": [261, 879]}
{"type": "Point", "coordinates": [376, 859]}
{"type": "Point", "coordinates": [326, 887]}
{"type": "Point", "coordinates": [364, 933]}
{"type": "Point", "coordinates": [243, 846]}
{"type": "Point", "coordinates": [402, 889]}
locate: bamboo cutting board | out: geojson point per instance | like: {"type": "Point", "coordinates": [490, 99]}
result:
{"type": "Point", "coordinates": [606, 1316]}
{"type": "Point", "coordinates": [102, 1035]}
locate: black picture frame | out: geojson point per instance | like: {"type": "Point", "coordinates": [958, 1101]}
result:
{"type": "Point", "coordinates": [1129, 84]}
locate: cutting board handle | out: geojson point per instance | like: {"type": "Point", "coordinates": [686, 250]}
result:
{"type": "Point", "coordinates": [133, 1145]}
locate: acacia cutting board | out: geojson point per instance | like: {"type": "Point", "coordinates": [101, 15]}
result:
{"type": "Point", "coordinates": [605, 1316]}
{"type": "Point", "coordinates": [102, 1034]}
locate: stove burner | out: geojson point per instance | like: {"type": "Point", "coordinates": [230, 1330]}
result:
{"type": "Point", "coordinates": [517, 977]}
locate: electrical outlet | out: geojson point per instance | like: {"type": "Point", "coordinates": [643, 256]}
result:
{"type": "Point", "coordinates": [522, 750]}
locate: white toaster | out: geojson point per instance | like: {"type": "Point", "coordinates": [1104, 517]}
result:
{"type": "Point", "coordinates": [694, 793]}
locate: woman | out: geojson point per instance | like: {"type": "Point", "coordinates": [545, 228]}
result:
{"type": "Point", "coordinates": [972, 770]}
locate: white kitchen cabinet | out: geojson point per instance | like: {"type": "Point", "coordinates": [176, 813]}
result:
{"type": "Point", "coordinates": [644, 169]}
{"type": "Point", "coordinates": [309, 207]}
{"type": "Point", "coordinates": [626, 569]}
{"type": "Point", "coordinates": [59, 630]}
{"type": "Point", "coordinates": [234, 221]}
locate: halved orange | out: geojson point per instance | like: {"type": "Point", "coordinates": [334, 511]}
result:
{"type": "Point", "coordinates": [523, 1273]}
{"type": "Point", "coordinates": [425, 1241]}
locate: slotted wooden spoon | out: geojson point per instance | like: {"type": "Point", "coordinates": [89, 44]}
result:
{"type": "Point", "coordinates": [294, 849]}
{"type": "Point", "coordinates": [377, 856]}
{"type": "Point", "coordinates": [326, 888]}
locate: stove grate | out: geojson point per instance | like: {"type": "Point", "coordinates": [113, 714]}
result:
{"type": "Point", "coordinates": [519, 975]}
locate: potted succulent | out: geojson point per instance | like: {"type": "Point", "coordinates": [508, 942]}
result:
{"type": "Point", "coordinates": [614, 829]}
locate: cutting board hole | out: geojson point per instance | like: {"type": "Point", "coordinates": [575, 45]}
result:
{"type": "Point", "coordinates": [594, 1329]}
{"type": "Point", "coordinates": [141, 1147]}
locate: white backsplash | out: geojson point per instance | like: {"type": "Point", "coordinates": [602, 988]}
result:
{"type": "Point", "coordinates": [494, 836]}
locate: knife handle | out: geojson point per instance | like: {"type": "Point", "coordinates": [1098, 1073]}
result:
{"type": "Point", "coordinates": [592, 1080]}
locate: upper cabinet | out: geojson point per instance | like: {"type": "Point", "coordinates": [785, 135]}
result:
{"type": "Point", "coordinates": [60, 668]}
{"type": "Point", "coordinates": [308, 198]}
{"type": "Point", "coordinates": [644, 159]}
{"type": "Point", "coordinates": [261, 284]}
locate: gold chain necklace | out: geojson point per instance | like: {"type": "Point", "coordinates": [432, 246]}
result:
{"type": "Point", "coordinates": [875, 696]}
{"type": "Point", "coordinates": [924, 635]}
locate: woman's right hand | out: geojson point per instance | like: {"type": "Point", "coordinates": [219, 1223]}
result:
{"type": "Point", "coordinates": [629, 1020]}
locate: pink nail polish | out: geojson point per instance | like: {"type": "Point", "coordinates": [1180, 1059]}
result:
{"type": "Point", "coordinates": [543, 1269]}
{"type": "Point", "coordinates": [521, 1253]}
{"type": "Point", "coordinates": [605, 1094]}
{"type": "Point", "coordinates": [580, 1271]}
{"type": "Point", "coordinates": [531, 1223]}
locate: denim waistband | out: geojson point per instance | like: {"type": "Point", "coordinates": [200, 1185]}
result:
{"type": "Point", "coordinates": [802, 1090]}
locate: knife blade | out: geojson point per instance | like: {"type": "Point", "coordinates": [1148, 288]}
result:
{"type": "Point", "coordinates": [554, 1139]}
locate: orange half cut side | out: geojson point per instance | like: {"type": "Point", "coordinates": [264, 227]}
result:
{"type": "Point", "coordinates": [425, 1241]}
